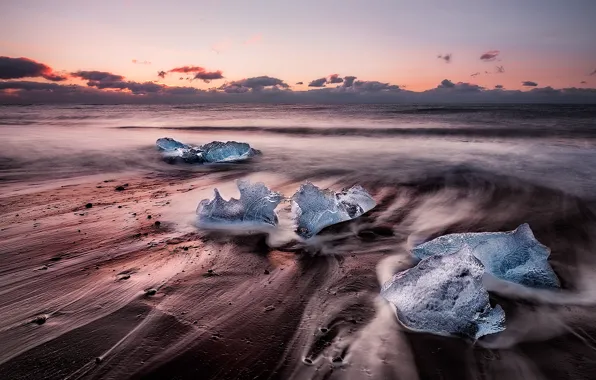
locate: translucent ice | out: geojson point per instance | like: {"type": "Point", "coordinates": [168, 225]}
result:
{"type": "Point", "coordinates": [230, 151]}
{"type": "Point", "coordinates": [213, 152]}
{"type": "Point", "coordinates": [314, 209]}
{"type": "Point", "coordinates": [256, 206]}
{"type": "Point", "coordinates": [173, 151]}
{"type": "Point", "coordinates": [167, 144]}
{"type": "Point", "coordinates": [514, 256]}
{"type": "Point", "coordinates": [444, 295]}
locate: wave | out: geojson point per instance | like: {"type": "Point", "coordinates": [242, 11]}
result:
{"type": "Point", "coordinates": [505, 132]}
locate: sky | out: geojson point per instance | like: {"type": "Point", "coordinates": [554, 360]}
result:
{"type": "Point", "coordinates": [415, 45]}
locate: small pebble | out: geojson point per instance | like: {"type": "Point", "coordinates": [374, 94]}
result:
{"type": "Point", "coordinates": [40, 320]}
{"type": "Point", "coordinates": [89, 205]}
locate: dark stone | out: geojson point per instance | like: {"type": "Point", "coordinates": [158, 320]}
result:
{"type": "Point", "coordinates": [40, 320]}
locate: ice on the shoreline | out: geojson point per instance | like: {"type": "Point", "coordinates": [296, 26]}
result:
{"type": "Point", "coordinates": [167, 144]}
{"type": "Point", "coordinates": [314, 209]}
{"type": "Point", "coordinates": [256, 206]}
{"type": "Point", "coordinates": [444, 295]}
{"type": "Point", "coordinates": [230, 151]}
{"type": "Point", "coordinates": [213, 152]}
{"type": "Point", "coordinates": [514, 256]}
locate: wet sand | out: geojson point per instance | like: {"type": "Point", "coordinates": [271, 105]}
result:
{"type": "Point", "coordinates": [129, 288]}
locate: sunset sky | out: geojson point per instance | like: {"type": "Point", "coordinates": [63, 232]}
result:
{"type": "Point", "coordinates": [547, 42]}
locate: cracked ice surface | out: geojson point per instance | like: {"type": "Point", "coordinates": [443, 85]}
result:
{"type": "Point", "coordinates": [514, 256]}
{"type": "Point", "coordinates": [230, 151]}
{"type": "Point", "coordinates": [256, 206]}
{"type": "Point", "coordinates": [444, 295]}
{"type": "Point", "coordinates": [314, 209]}
{"type": "Point", "coordinates": [213, 152]}
{"type": "Point", "coordinates": [167, 143]}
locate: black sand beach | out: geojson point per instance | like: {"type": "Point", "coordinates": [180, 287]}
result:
{"type": "Point", "coordinates": [104, 275]}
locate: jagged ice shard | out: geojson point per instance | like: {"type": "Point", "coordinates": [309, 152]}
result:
{"type": "Point", "coordinates": [167, 144]}
{"type": "Point", "coordinates": [314, 209]}
{"type": "Point", "coordinates": [514, 256]}
{"type": "Point", "coordinates": [213, 152]}
{"type": "Point", "coordinates": [444, 295]}
{"type": "Point", "coordinates": [256, 206]}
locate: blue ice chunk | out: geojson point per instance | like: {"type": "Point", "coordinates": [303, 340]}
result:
{"type": "Point", "coordinates": [444, 295]}
{"type": "Point", "coordinates": [230, 151]}
{"type": "Point", "coordinates": [256, 206]}
{"type": "Point", "coordinates": [173, 151]}
{"type": "Point", "coordinates": [169, 144]}
{"type": "Point", "coordinates": [314, 209]}
{"type": "Point", "coordinates": [213, 152]}
{"type": "Point", "coordinates": [514, 256]}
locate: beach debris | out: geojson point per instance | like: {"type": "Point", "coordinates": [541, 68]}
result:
{"type": "Point", "coordinates": [210, 273]}
{"type": "Point", "coordinates": [256, 206]}
{"type": "Point", "coordinates": [40, 319]}
{"type": "Point", "coordinates": [515, 256]}
{"type": "Point", "coordinates": [314, 209]}
{"type": "Point", "coordinates": [444, 295]}
{"type": "Point", "coordinates": [213, 152]}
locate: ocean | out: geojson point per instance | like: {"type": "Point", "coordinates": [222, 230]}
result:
{"type": "Point", "coordinates": [549, 144]}
{"type": "Point", "coordinates": [276, 309]}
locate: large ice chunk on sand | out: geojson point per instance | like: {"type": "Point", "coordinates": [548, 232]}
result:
{"type": "Point", "coordinates": [256, 206]}
{"type": "Point", "coordinates": [213, 152]}
{"type": "Point", "coordinates": [314, 209]}
{"type": "Point", "coordinates": [514, 256]}
{"type": "Point", "coordinates": [444, 295]}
